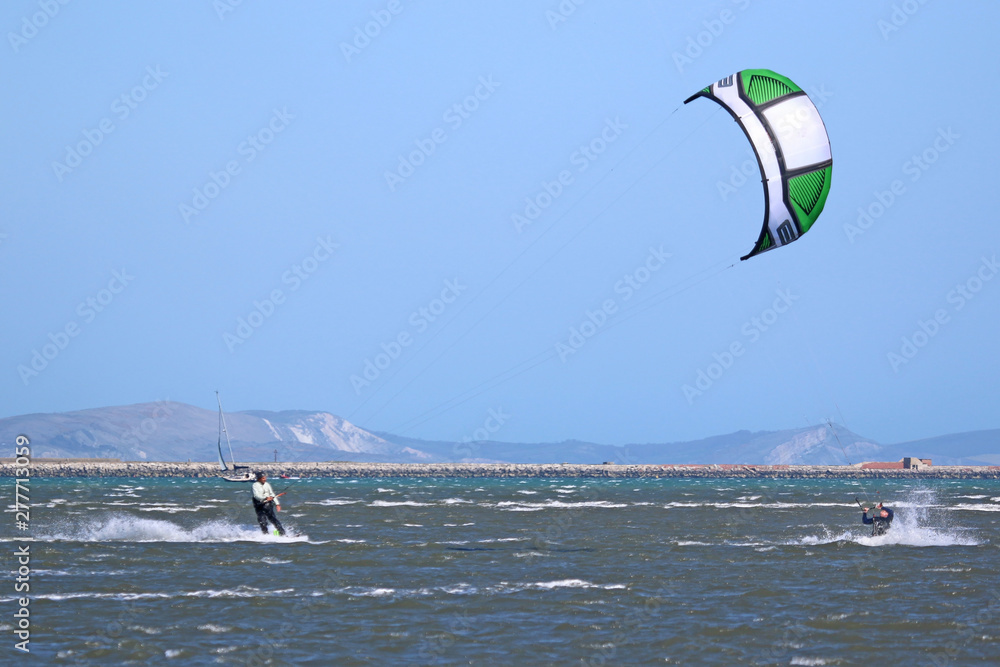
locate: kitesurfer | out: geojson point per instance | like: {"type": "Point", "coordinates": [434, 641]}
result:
{"type": "Point", "coordinates": [264, 503]}
{"type": "Point", "coordinates": [879, 521]}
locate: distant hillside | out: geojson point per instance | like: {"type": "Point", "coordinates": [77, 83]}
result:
{"type": "Point", "coordinates": [970, 448]}
{"type": "Point", "coordinates": [816, 445]}
{"type": "Point", "coordinates": [569, 451]}
{"type": "Point", "coordinates": [170, 431]}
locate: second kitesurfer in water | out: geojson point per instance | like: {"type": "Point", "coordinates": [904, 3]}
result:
{"type": "Point", "coordinates": [880, 520]}
{"type": "Point", "coordinates": [264, 503]}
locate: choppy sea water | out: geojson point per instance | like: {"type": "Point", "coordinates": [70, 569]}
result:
{"type": "Point", "coordinates": [511, 572]}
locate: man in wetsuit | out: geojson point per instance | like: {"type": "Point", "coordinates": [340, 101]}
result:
{"type": "Point", "coordinates": [264, 503]}
{"type": "Point", "coordinates": [879, 521]}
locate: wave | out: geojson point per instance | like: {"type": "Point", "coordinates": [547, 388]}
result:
{"type": "Point", "coordinates": [211, 627]}
{"type": "Point", "coordinates": [561, 583]}
{"type": "Point", "coordinates": [745, 505]}
{"type": "Point", "coordinates": [976, 507]}
{"type": "Point", "coordinates": [124, 528]}
{"type": "Point", "coordinates": [504, 539]}
{"type": "Point", "coordinates": [174, 509]}
{"type": "Point", "coordinates": [238, 592]}
{"type": "Point", "coordinates": [401, 503]}
{"type": "Point", "coordinates": [248, 592]}
{"type": "Point", "coordinates": [332, 502]}
{"type": "Point", "coordinates": [513, 505]}
{"type": "Point", "coordinates": [377, 592]}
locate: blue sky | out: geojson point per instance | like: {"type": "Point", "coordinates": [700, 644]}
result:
{"type": "Point", "coordinates": [270, 202]}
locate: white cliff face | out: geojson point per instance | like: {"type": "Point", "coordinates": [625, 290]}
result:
{"type": "Point", "coordinates": [327, 430]}
{"type": "Point", "coordinates": [273, 431]}
{"type": "Point", "coordinates": [355, 437]}
{"type": "Point", "coordinates": [797, 449]}
{"type": "Point", "coordinates": [301, 434]}
{"type": "Point", "coordinates": [820, 447]}
{"type": "Point", "coordinates": [416, 453]}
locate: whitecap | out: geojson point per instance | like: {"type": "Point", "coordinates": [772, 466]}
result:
{"type": "Point", "coordinates": [377, 592]}
{"type": "Point", "coordinates": [948, 569]}
{"type": "Point", "coordinates": [239, 592]}
{"type": "Point", "coordinates": [402, 503]}
{"type": "Point", "coordinates": [523, 509]}
{"type": "Point", "coordinates": [558, 504]}
{"type": "Point", "coordinates": [976, 507]}
{"type": "Point", "coordinates": [211, 627]}
{"type": "Point", "coordinates": [574, 583]}
{"type": "Point", "coordinates": [459, 589]}
{"type": "Point", "coordinates": [332, 502]}
{"type": "Point", "coordinates": [175, 510]}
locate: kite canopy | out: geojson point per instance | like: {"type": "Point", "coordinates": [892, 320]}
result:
{"type": "Point", "coordinates": [792, 148]}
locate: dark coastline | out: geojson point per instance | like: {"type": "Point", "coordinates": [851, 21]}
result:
{"type": "Point", "coordinates": [41, 468]}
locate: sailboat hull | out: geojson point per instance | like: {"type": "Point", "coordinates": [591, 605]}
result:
{"type": "Point", "coordinates": [246, 478]}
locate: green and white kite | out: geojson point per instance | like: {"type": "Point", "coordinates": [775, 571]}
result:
{"type": "Point", "coordinates": [792, 148]}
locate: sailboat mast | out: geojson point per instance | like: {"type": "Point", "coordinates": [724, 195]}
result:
{"type": "Point", "coordinates": [222, 418]}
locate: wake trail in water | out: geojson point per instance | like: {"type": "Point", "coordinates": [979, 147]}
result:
{"type": "Point", "coordinates": [920, 522]}
{"type": "Point", "coordinates": [125, 528]}
{"type": "Point", "coordinates": [915, 537]}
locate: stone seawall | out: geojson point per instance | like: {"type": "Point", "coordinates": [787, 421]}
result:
{"type": "Point", "coordinates": [83, 468]}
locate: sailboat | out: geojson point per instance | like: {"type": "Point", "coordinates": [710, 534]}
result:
{"type": "Point", "coordinates": [240, 473]}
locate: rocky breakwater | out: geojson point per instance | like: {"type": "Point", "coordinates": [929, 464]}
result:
{"type": "Point", "coordinates": [45, 468]}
